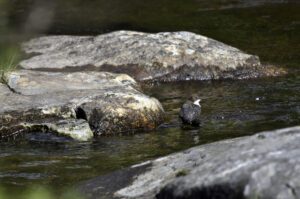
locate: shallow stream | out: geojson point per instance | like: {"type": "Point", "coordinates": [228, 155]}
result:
{"type": "Point", "coordinates": [229, 108]}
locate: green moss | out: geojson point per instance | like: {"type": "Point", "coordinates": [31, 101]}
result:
{"type": "Point", "coordinates": [182, 172]}
{"type": "Point", "coordinates": [261, 136]}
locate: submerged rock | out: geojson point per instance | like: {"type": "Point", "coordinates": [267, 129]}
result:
{"type": "Point", "coordinates": [266, 165]}
{"type": "Point", "coordinates": [110, 103]}
{"type": "Point", "coordinates": [166, 56]}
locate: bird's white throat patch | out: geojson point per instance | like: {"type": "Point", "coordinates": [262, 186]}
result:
{"type": "Point", "coordinates": [197, 102]}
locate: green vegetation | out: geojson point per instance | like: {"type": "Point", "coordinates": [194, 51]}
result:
{"type": "Point", "coordinates": [40, 193]}
{"type": "Point", "coordinates": [8, 61]}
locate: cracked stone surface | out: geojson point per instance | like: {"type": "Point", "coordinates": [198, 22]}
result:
{"type": "Point", "coordinates": [109, 103]}
{"type": "Point", "coordinates": [265, 166]}
{"type": "Point", "coordinates": [168, 56]}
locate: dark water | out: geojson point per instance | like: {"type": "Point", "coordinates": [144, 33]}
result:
{"type": "Point", "coordinates": [230, 108]}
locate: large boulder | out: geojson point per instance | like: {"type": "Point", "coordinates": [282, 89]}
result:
{"type": "Point", "coordinates": [166, 56]}
{"type": "Point", "coordinates": [265, 166]}
{"type": "Point", "coordinates": [108, 104]}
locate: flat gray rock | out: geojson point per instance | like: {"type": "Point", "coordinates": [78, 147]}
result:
{"type": "Point", "coordinates": [265, 166]}
{"type": "Point", "coordinates": [109, 103]}
{"type": "Point", "coordinates": [166, 56]}
{"type": "Point", "coordinates": [28, 82]}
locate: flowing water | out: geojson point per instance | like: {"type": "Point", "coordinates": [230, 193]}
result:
{"type": "Point", "coordinates": [229, 108]}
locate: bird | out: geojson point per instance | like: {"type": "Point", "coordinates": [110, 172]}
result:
{"type": "Point", "coordinates": [190, 111]}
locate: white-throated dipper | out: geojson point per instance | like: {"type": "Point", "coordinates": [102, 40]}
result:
{"type": "Point", "coordinates": [190, 111]}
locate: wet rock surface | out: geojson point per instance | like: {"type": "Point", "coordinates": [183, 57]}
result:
{"type": "Point", "coordinates": [154, 57]}
{"type": "Point", "coordinates": [265, 165]}
{"type": "Point", "coordinates": [61, 102]}
{"type": "Point", "coordinates": [78, 129]}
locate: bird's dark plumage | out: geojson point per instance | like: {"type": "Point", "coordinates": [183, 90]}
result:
{"type": "Point", "coordinates": [190, 113]}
